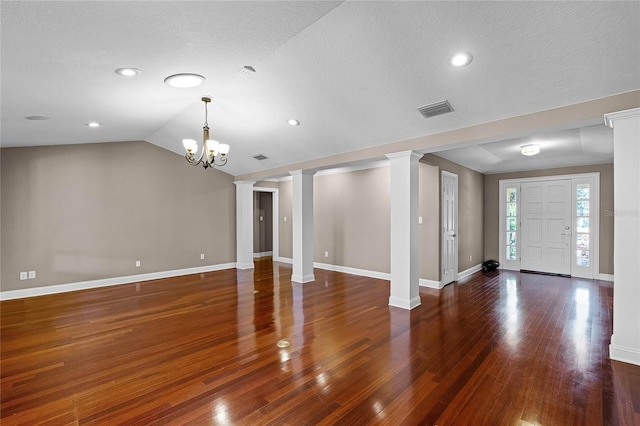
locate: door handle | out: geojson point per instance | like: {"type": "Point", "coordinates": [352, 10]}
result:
{"type": "Point", "coordinates": [454, 235]}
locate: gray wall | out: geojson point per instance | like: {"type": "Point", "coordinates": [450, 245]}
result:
{"type": "Point", "coordinates": [492, 202]}
{"type": "Point", "coordinates": [83, 212]}
{"type": "Point", "coordinates": [351, 219]}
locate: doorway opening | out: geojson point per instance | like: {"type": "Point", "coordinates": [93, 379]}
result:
{"type": "Point", "coordinates": [265, 222]}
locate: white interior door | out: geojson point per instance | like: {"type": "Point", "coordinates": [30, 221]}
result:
{"type": "Point", "coordinates": [546, 226]}
{"type": "Point", "coordinates": [449, 203]}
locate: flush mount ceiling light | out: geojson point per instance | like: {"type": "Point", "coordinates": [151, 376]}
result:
{"type": "Point", "coordinates": [293, 122]}
{"type": "Point", "coordinates": [36, 117]}
{"type": "Point", "coordinates": [128, 72]}
{"type": "Point", "coordinates": [93, 124]}
{"type": "Point", "coordinates": [184, 80]}
{"type": "Point", "coordinates": [530, 150]}
{"type": "Point", "coordinates": [213, 152]}
{"type": "Point", "coordinates": [461, 59]}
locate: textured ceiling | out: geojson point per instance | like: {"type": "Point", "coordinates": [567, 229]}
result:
{"type": "Point", "coordinates": [573, 147]}
{"type": "Point", "coordinates": [353, 73]}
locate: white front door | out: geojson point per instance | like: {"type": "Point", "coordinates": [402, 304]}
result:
{"type": "Point", "coordinates": [449, 205]}
{"type": "Point", "coordinates": [546, 226]}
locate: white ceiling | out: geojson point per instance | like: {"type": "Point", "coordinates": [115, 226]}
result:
{"type": "Point", "coordinates": [573, 147]}
{"type": "Point", "coordinates": [353, 73]}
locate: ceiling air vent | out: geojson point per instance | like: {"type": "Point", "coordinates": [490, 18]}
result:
{"type": "Point", "coordinates": [260, 157]}
{"type": "Point", "coordinates": [435, 109]}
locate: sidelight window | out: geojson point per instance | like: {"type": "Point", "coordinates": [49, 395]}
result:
{"type": "Point", "coordinates": [512, 223]}
{"type": "Point", "coordinates": [583, 201]}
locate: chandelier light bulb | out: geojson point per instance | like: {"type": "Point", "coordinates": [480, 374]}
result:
{"type": "Point", "coordinates": [190, 145]}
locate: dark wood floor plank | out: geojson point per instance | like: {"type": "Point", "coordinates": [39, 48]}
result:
{"type": "Point", "coordinates": [499, 348]}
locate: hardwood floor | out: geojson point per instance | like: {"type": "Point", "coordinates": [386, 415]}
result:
{"type": "Point", "coordinates": [500, 348]}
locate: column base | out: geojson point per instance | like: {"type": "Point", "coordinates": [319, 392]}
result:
{"type": "Point", "coordinates": [404, 303]}
{"type": "Point", "coordinates": [247, 265]}
{"type": "Point", "coordinates": [624, 354]}
{"type": "Point", "coordinates": [303, 278]}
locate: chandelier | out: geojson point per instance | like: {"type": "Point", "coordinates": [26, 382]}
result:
{"type": "Point", "coordinates": [213, 152]}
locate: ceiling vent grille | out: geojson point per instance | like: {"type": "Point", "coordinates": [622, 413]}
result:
{"type": "Point", "coordinates": [260, 157]}
{"type": "Point", "coordinates": [435, 109]}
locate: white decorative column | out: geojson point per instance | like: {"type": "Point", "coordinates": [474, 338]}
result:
{"type": "Point", "coordinates": [244, 224]}
{"type": "Point", "coordinates": [625, 341]}
{"type": "Point", "coordinates": [404, 230]}
{"type": "Point", "coordinates": [302, 226]}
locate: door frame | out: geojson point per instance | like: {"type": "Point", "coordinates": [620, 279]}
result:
{"type": "Point", "coordinates": [275, 203]}
{"type": "Point", "coordinates": [594, 218]}
{"type": "Point", "coordinates": [444, 173]}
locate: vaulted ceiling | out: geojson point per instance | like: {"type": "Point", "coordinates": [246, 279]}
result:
{"type": "Point", "coordinates": [353, 73]}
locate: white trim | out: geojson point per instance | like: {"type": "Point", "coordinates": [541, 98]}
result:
{"type": "Point", "coordinates": [404, 304]}
{"type": "Point", "coordinates": [456, 225]}
{"type": "Point", "coordinates": [301, 279]}
{"type": "Point", "coordinates": [283, 260]}
{"type": "Point", "coordinates": [611, 118]}
{"type": "Point", "coordinates": [353, 271]}
{"type": "Point", "coordinates": [605, 277]}
{"type": "Point", "coordinates": [469, 272]}
{"type": "Point", "coordinates": [263, 254]}
{"type": "Point", "coordinates": [554, 177]}
{"type": "Point", "coordinates": [430, 283]}
{"type": "Point", "coordinates": [624, 354]}
{"type": "Point", "coordinates": [106, 282]}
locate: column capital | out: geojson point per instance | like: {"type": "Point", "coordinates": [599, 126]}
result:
{"type": "Point", "coordinates": [412, 155]}
{"type": "Point", "coordinates": [244, 182]}
{"type": "Point", "coordinates": [612, 117]}
{"type": "Point", "coordinates": [302, 172]}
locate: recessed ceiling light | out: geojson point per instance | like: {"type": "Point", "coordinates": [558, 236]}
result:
{"type": "Point", "coordinates": [461, 59]}
{"type": "Point", "coordinates": [530, 150]}
{"type": "Point", "coordinates": [184, 80]}
{"type": "Point", "coordinates": [93, 124]}
{"type": "Point", "coordinates": [37, 117]}
{"type": "Point", "coordinates": [128, 72]}
{"type": "Point", "coordinates": [293, 122]}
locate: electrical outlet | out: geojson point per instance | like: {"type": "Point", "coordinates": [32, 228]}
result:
{"type": "Point", "coordinates": [326, 254]}
{"type": "Point", "coordinates": [420, 220]}
{"type": "Point", "coordinates": [470, 258]}
{"type": "Point", "coordinates": [201, 256]}
{"type": "Point", "coordinates": [261, 218]}
{"type": "Point", "coordinates": [285, 218]}
{"type": "Point", "coordinates": [32, 274]}
{"type": "Point", "coordinates": [23, 276]}
{"type": "Point", "coordinates": [137, 263]}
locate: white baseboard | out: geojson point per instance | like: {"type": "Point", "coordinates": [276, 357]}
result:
{"type": "Point", "coordinates": [624, 354]}
{"type": "Point", "coordinates": [470, 271]}
{"type": "Point", "coordinates": [605, 277]}
{"type": "Point", "coordinates": [85, 285]}
{"type": "Point", "coordinates": [284, 260]}
{"type": "Point", "coordinates": [353, 271]}
{"type": "Point", "coordinates": [430, 283]}
{"type": "Point", "coordinates": [263, 254]}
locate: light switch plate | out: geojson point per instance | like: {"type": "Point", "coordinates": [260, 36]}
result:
{"type": "Point", "coordinates": [23, 276]}
{"type": "Point", "coordinates": [32, 274]}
